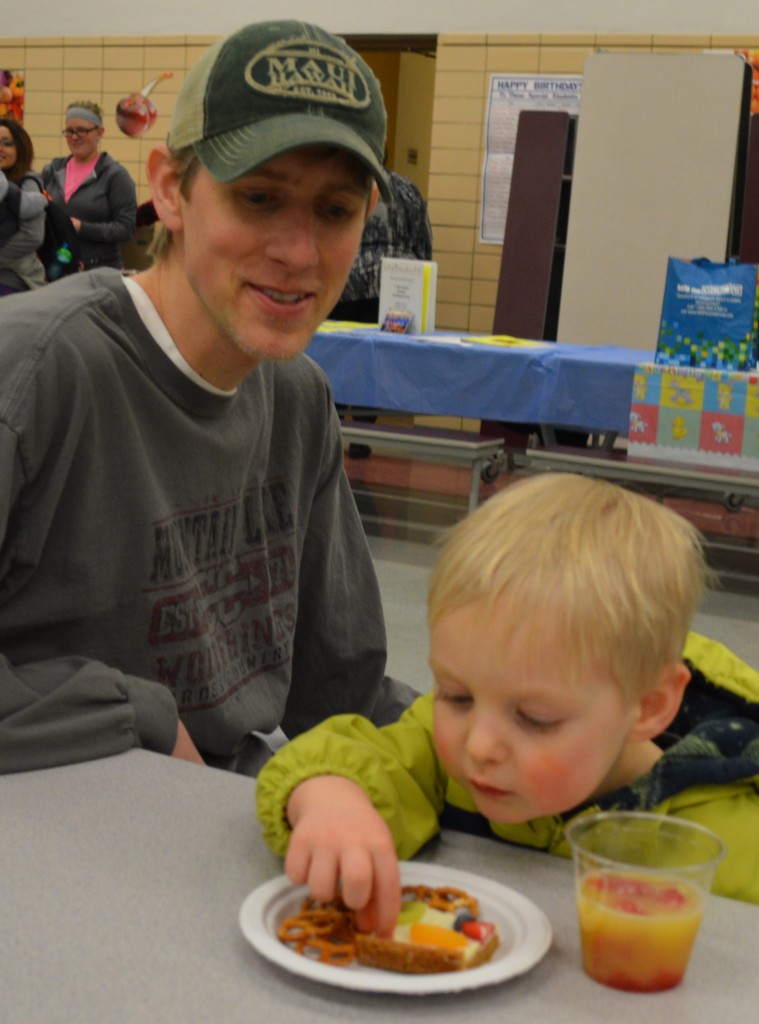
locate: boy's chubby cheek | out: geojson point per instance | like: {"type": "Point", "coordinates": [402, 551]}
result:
{"type": "Point", "coordinates": [446, 751]}
{"type": "Point", "coordinates": [555, 784]}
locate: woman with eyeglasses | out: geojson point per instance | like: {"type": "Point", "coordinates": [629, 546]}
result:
{"type": "Point", "coordinates": [20, 270]}
{"type": "Point", "coordinates": [96, 192]}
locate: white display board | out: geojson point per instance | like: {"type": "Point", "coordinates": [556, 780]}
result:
{"type": "Point", "coordinates": [653, 177]}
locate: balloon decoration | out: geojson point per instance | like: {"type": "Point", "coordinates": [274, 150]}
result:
{"type": "Point", "coordinates": [136, 114]}
{"type": "Point", "coordinates": [12, 95]}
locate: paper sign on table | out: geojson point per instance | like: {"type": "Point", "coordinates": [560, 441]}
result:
{"type": "Point", "coordinates": [409, 286]}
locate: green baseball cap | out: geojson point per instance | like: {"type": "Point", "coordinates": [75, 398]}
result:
{"type": "Point", "coordinates": [276, 86]}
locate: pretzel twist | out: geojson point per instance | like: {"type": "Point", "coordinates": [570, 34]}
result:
{"type": "Point", "coordinates": [443, 898]}
{"type": "Point", "coordinates": [323, 932]}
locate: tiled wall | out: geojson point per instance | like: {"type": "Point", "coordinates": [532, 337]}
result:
{"type": "Point", "coordinates": [103, 69]}
{"type": "Point", "coordinates": [468, 269]}
{"type": "Point", "coordinates": [106, 69]}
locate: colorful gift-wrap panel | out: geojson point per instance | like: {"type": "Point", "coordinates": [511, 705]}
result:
{"type": "Point", "coordinates": [725, 393]}
{"type": "Point", "coordinates": [751, 423]}
{"type": "Point", "coordinates": [751, 439]}
{"type": "Point", "coordinates": [752, 396]}
{"type": "Point", "coordinates": [647, 384]}
{"type": "Point", "coordinates": [682, 390]}
{"type": "Point", "coordinates": [644, 423]}
{"type": "Point", "coordinates": [679, 428]}
{"type": "Point", "coordinates": [721, 433]}
{"type": "Point", "coordinates": [699, 416]}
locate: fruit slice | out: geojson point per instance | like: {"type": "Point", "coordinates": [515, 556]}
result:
{"type": "Point", "coordinates": [480, 931]}
{"type": "Point", "coordinates": [412, 910]}
{"type": "Point", "coordinates": [433, 935]}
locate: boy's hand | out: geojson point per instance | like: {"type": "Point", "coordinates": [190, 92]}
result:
{"type": "Point", "coordinates": [341, 844]}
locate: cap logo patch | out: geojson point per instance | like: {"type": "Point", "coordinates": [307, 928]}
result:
{"type": "Point", "coordinates": [303, 69]}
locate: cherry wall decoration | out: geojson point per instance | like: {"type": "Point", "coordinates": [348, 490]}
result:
{"type": "Point", "coordinates": [136, 114]}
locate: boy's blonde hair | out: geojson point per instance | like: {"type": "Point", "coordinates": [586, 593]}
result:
{"type": "Point", "coordinates": [614, 577]}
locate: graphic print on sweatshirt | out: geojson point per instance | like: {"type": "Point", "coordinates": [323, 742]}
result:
{"type": "Point", "coordinates": [222, 590]}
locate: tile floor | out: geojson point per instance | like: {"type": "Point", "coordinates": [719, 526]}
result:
{"type": "Point", "coordinates": [406, 507]}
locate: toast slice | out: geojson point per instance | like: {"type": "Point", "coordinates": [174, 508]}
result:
{"type": "Point", "coordinates": [413, 958]}
{"type": "Point", "coordinates": [437, 931]}
{"type": "Point", "coordinates": [430, 940]}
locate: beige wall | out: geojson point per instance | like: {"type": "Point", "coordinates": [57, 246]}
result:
{"type": "Point", "coordinates": [416, 93]}
{"type": "Point", "coordinates": [467, 269]}
{"type": "Point", "coordinates": [105, 17]}
{"type": "Point", "coordinates": [59, 70]}
{"type": "Point", "coordinates": [386, 66]}
{"type": "Point", "coordinates": [106, 69]}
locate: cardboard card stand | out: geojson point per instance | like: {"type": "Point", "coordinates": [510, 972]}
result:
{"type": "Point", "coordinates": [704, 417]}
{"type": "Point", "coordinates": [407, 296]}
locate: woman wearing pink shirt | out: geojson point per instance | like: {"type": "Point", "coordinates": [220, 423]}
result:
{"type": "Point", "coordinates": [94, 190]}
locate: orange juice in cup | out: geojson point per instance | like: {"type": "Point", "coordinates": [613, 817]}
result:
{"type": "Point", "coordinates": [637, 932]}
{"type": "Point", "coordinates": [642, 880]}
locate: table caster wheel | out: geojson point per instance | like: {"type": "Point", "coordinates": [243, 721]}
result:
{"type": "Point", "coordinates": [734, 502]}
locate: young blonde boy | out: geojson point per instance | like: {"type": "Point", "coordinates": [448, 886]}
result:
{"type": "Point", "coordinates": [559, 615]}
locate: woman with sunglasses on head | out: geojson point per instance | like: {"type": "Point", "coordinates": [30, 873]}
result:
{"type": "Point", "coordinates": [20, 269]}
{"type": "Point", "coordinates": [94, 190]}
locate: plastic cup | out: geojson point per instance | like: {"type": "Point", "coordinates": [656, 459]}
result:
{"type": "Point", "coordinates": [641, 884]}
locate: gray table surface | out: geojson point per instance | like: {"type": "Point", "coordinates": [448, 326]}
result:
{"type": "Point", "coordinates": [120, 886]}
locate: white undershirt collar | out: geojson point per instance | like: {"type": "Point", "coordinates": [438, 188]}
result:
{"type": "Point", "coordinates": [157, 328]}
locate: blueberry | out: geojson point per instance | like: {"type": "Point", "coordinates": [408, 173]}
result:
{"type": "Point", "coordinates": [462, 915]}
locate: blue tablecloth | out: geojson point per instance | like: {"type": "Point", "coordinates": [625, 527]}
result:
{"type": "Point", "coordinates": [578, 386]}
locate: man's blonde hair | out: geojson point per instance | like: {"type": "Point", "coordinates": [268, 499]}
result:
{"type": "Point", "coordinates": [614, 576]}
{"type": "Point", "coordinates": [187, 164]}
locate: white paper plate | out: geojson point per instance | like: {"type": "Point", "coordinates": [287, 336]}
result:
{"type": "Point", "coordinates": [524, 929]}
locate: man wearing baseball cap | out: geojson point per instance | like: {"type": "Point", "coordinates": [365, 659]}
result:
{"type": "Point", "coordinates": [182, 566]}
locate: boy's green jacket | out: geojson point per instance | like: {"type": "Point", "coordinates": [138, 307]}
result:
{"type": "Point", "coordinates": [709, 773]}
